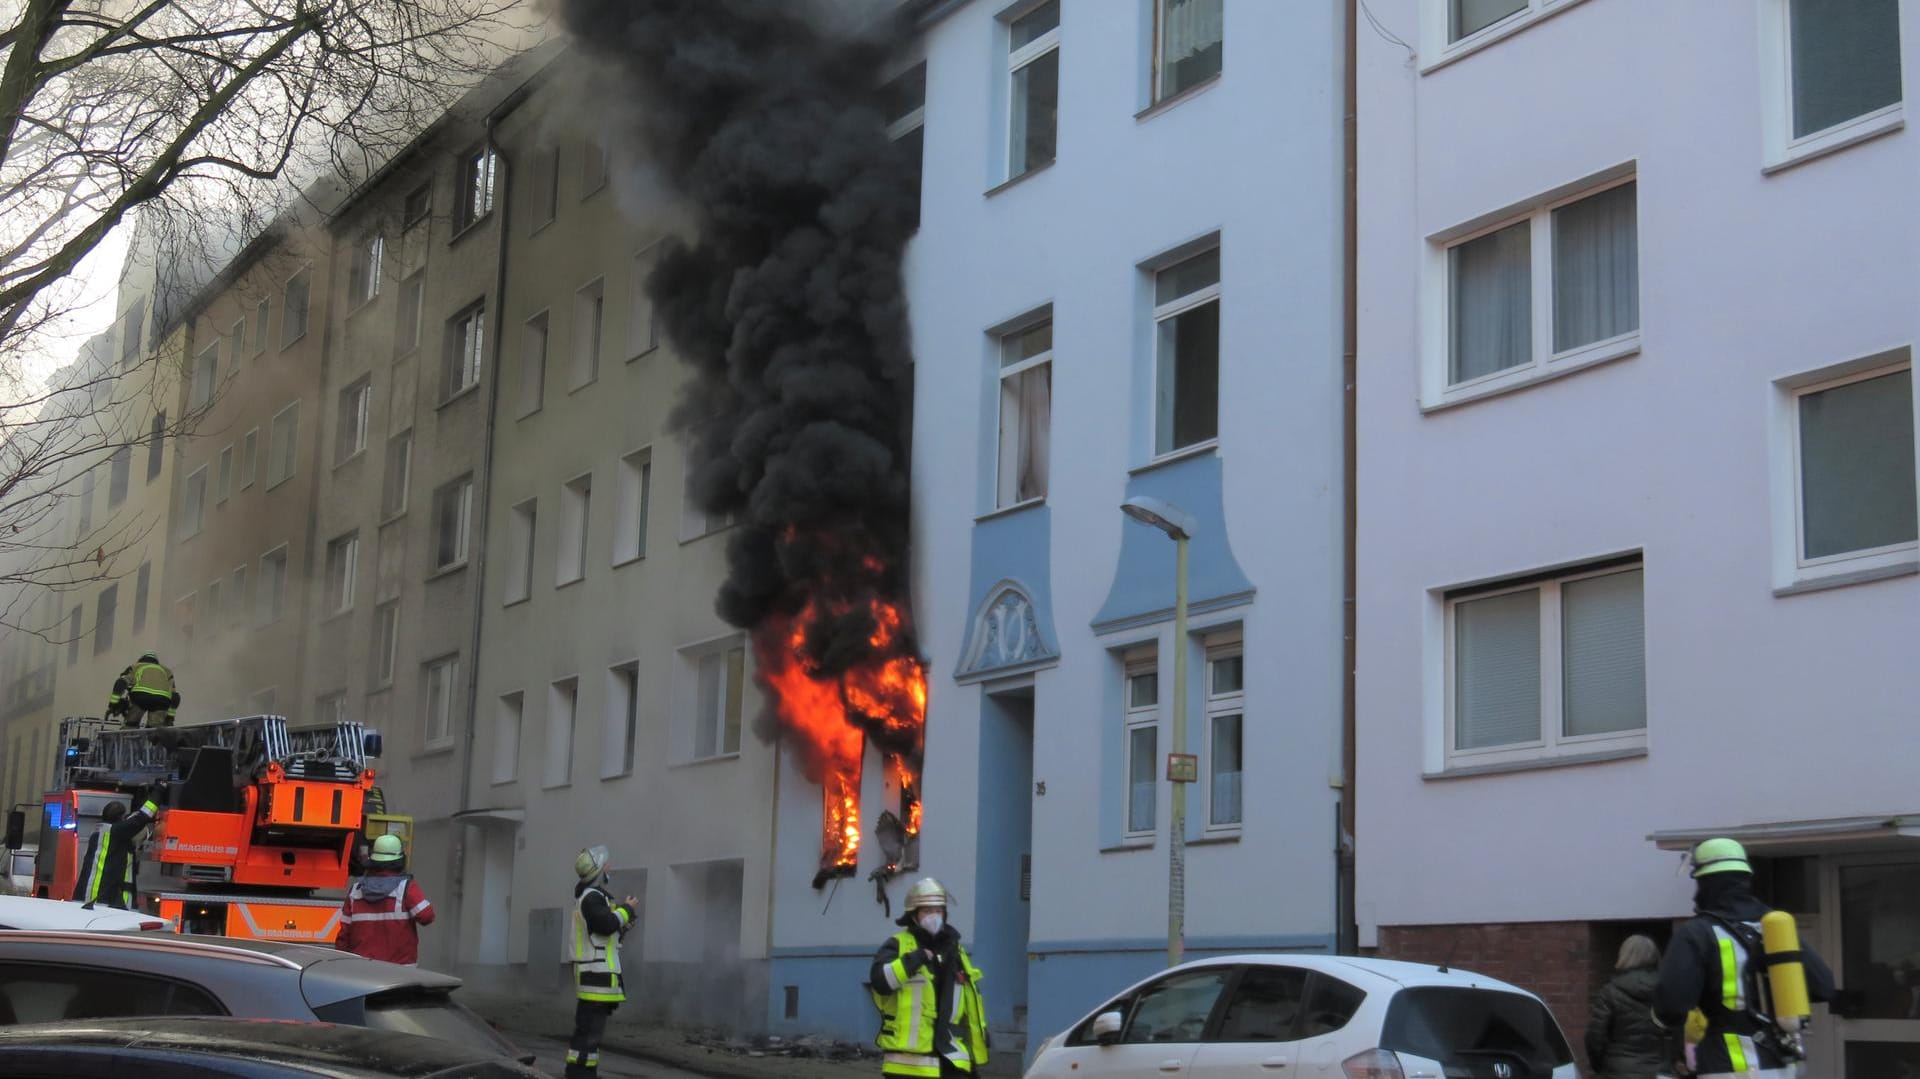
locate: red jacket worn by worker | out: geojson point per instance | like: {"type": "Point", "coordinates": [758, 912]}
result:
{"type": "Point", "coordinates": [381, 916]}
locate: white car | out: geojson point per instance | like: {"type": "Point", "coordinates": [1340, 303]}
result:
{"type": "Point", "coordinates": [27, 912]}
{"type": "Point", "coordinates": [1312, 1015]}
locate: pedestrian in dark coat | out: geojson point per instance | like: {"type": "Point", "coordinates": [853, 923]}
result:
{"type": "Point", "coordinates": [1623, 1041]}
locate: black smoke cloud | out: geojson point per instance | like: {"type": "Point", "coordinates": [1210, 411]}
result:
{"type": "Point", "coordinates": [787, 301]}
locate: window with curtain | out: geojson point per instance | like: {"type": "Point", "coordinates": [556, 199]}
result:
{"type": "Point", "coordinates": [1226, 672]}
{"type": "Point", "coordinates": [1186, 317]}
{"type": "Point", "coordinates": [1026, 413]}
{"type": "Point", "coordinates": [1491, 286]}
{"type": "Point", "coordinates": [1596, 268]}
{"type": "Point", "coordinates": [1468, 17]}
{"type": "Point", "coordinates": [1142, 694]}
{"type": "Point", "coordinates": [1844, 60]}
{"type": "Point", "coordinates": [1856, 481]}
{"type": "Point", "coordinates": [1033, 65]}
{"type": "Point", "coordinates": [1191, 34]}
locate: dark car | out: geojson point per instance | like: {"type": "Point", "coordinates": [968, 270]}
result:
{"type": "Point", "coordinates": [236, 1048]}
{"type": "Point", "coordinates": [53, 977]}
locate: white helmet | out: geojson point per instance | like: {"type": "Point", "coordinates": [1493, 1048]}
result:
{"type": "Point", "coordinates": [592, 862]}
{"type": "Point", "coordinates": [926, 892]}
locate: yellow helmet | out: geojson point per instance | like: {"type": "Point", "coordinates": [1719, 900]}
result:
{"type": "Point", "coordinates": [926, 892]}
{"type": "Point", "coordinates": [591, 862]}
{"type": "Point", "coordinates": [1720, 856]}
{"type": "Point", "coordinates": [387, 848]}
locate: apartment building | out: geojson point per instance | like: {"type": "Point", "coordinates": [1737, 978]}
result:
{"type": "Point", "coordinates": [1637, 514]}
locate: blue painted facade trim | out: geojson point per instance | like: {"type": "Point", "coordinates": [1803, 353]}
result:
{"type": "Point", "coordinates": [1280, 942]}
{"type": "Point", "coordinates": [1010, 556]}
{"type": "Point", "coordinates": [827, 951]}
{"type": "Point", "coordinates": [1143, 580]}
{"type": "Point", "coordinates": [832, 995]}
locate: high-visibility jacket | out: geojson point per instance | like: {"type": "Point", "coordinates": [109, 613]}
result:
{"type": "Point", "coordinates": [106, 873]}
{"type": "Point", "coordinates": [147, 678]}
{"type": "Point", "coordinates": [929, 1012]}
{"type": "Point", "coordinates": [594, 945]}
{"type": "Point", "coordinates": [380, 916]}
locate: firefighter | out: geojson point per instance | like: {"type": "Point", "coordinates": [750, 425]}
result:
{"type": "Point", "coordinates": [385, 908]}
{"type": "Point", "coordinates": [145, 691]}
{"type": "Point", "coordinates": [1717, 964]}
{"type": "Point", "coordinates": [933, 1021]}
{"type": "Point", "coordinates": [599, 924]}
{"type": "Point", "coordinates": [106, 876]}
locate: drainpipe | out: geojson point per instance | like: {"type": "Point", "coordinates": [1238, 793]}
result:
{"type": "Point", "coordinates": [1345, 926]}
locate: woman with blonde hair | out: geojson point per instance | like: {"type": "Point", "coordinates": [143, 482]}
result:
{"type": "Point", "coordinates": [1623, 1041]}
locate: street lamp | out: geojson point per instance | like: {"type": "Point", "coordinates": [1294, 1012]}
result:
{"type": "Point", "coordinates": [1179, 526]}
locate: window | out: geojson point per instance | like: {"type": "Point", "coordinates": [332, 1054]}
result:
{"type": "Point", "coordinates": [356, 405]}
{"type": "Point", "coordinates": [543, 187]}
{"type": "Point", "coordinates": [1225, 678]}
{"type": "Point", "coordinates": [213, 608]}
{"type": "Point", "coordinates": [331, 709]}
{"type": "Point", "coordinates": [238, 604]}
{"type": "Point", "coordinates": [132, 326]}
{"type": "Point", "coordinates": [363, 273]}
{"type": "Point", "coordinates": [906, 98]}
{"type": "Point", "coordinates": [1854, 471]}
{"type": "Point", "coordinates": [260, 315]}
{"type": "Point", "coordinates": [623, 721]}
{"type": "Point", "coordinates": [1265, 1006]}
{"type": "Point", "coordinates": [1331, 1006]}
{"type": "Point", "coordinates": [1547, 667]}
{"type": "Point", "coordinates": [73, 637]}
{"type": "Point", "coordinates": [589, 305]}
{"type": "Point", "coordinates": [441, 676]}
{"type": "Point", "coordinates": [452, 522]}
{"type": "Point", "coordinates": [193, 514]}
{"type": "Point", "coordinates": [1835, 77]}
{"type": "Point", "coordinates": [1026, 413]}
{"type": "Point", "coordinates": [576, 504]}
{"type": "Point", "coordinates": [630, 509]}
{"type": "Point", "coordinates": [283, 445]}
{"type": "Point", "coordinates": [119, 475]}
{"type": "Point", "coordinates": [206, 372]}
{"type": "Point", "coordinates": [39, 993]}
{"type": "Point", "coordinates": [407, 330]}
{"type": "Point", "coordinates": [386, 643]}
{"type": "Point", "coordinates": [1190, 34]}
{"type": "Point", "coordinates": [1033, 66]}
{"type": "Point", "coordinates": [643, 328]}
{"type": "Point", "coordinates": [506, 737]}
{"type": "Point", "coordinates": [1175, 1008]}
{"type": "Point", "coordinates": [223, 476]}
{"type": "Point", "coordinates": [1142, 691]}
{"type": "Point", "coordinates": [84, 501]}
{"type": "Point", "coordinates": [593, 165]}
{"type": "Point", "coordinates": [1186, 316]}
{"type": "Point", "coordinates": [343, 565]}
{"type": "Point", "coordinates": [418, 204]}
{"type": "Point", "coordinates": [394, 484]}
{"type": "Point", "coordinates": [106, 610]}
{"type": "Point", "coordinates": [1468, 17]}
{"type": "Point", "coordinates": [466, 346]}
{"type": "Point", "coordinates": [142, 591]}
{"type": "Point", "coordinates": [156, 445]}
{"type": "Point", "coordinates": [236, 346]}
{"type": "Point", "coordinates": [1580, 255]}
{"type": "Point", "coordinates": [273, 585]}
{"type": "Point", "coordinates": [249, 447]}
{"type": "Point", "coordinates": [533, 365]}
{"type": "Point", "coordinates": [476, 187]}
{"type": "Point", "coordinates": [719, 682]}
{"type": "Point", "coordinates": [293, 322]}
{"type": "Point", "coordinates": [520, 541]}
{"type": "Point", "coordinates": [563, 698]}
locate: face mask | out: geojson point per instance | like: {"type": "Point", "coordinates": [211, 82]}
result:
{"type": "Point", "coordinates": [931, 923]}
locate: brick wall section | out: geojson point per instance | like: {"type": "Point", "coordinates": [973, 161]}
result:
{"type": "Point", "coordinates": [1562, 962]}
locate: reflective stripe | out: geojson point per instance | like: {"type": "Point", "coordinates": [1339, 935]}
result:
{"type": "Point", "coordinates": [1731, 995]}
{"type": "Point", "coordinates": [418, 907]}
{"type": "Point", "coordinates": [909, 1064]}
{"type": "Point", "coordinates": [896, 973]}
{"type": "Point", "coordinates": [1736, 1056]}
{"type": "Point", "coordinates": [388, 916]}
{"type": "Point", "coordinates": [914, 1002]}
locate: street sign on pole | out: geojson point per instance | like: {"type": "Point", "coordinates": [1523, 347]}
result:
{"type": "Point", "coordinates": [1183, 768]}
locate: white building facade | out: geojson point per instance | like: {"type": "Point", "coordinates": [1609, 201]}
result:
{"type": "Point", "coordinates": [1127, 283]}
{"type": "Point", "coordinates": [1636, 537]}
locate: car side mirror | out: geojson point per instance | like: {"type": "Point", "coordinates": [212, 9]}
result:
{"type": "Point", "coordinates": [1106, 1028]}
{"type": "Point", "coordinates": [16, 829]}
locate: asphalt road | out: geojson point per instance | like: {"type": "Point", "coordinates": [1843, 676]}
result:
{"type": "Point", "coordinates": [553, 1054]}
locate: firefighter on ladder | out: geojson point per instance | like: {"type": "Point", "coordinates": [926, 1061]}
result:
{"type": "Point", "coordinates": [594, 949]}
{"type": "Point", "coordinates": [933, 1021]}
{"type": "Point", "coordinates": [144, 694]}
{"type": "Point", "coordinates": [106, 876]}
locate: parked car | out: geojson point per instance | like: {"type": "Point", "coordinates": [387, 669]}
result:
{"type": "Point", "coordinates": [51, 977]}
{"type": "Point", "coordinates": [1319, 1015]}
{"type": "Point", "coordinates": [27, 912]}
{"type": "Point", "coordinates": [237, 1048]}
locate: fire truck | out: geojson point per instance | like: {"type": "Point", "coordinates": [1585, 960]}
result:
{"type": "Point", "coordinates": [263, 824]}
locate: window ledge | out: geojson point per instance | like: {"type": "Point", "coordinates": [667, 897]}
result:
{"type": "Point", "coordinates": [530, 413]}
{"type": "Point", "coordinates": [1018, 180]}
{"type": "Point", "coordinates": [541, 227]}
{"type": "Point", "coordinates": [1198, 449]}
{"type": "Point", "coordinates": [685, 540]}
{"type": "Point", "coordinates": [1167, 104]}
{"type": "Point", "coordinates": [1207, 839]}
{"type": "Point", "coordinates": [448, 570]}
{"type": "Point", "coordinates": [457, 395]}
{"type": "Point", "coordinates": [643, 353]}
{"type": "Point", "coordinates": [628, 774]}
{"type": "Point", "coordinates": [697, 762]}
{"type": "Point", "coordinates": [444, 749]}
{"type": "Point", "coordinates": [395, 516]}
{"type": "Point", "coordinates": [498, 783]}
{"type": "Point", "coordinates": [1567, 760]}
{"type": "Point", "coordinates": [335, 616]}
{"type": "Point", "coordinates": [1500, 31]}
{"type": "Point", "coordinates": [1906, 568]}
{"type": "Point", "coordinates": [285, 345]}
{"type": "Point", "coordinates": [350, 458]}
{"type": "Point", "coordinates": [1008, 511]}
{"type": "Point", "coordinates": [1125, 845]}
{"type": "Point", "coordinates": [469, 228]}
{"type": "Point", "coordinates": [595, 191]}
{"type": "Point", "coordinates": [281, 482]}
{"type": "Point", "coordinates": [630, 560]}
{"type": "Point", "coordinates": [361, 305]}
{"type": "Point", "coordinates": [517, 601]}
{"type": "Point", "coordinates": [556, 786]}
{"type": "Point", "coordinates": [1570, 363]}
{"type": "Point", "coordinates": [569, 583]}
{"type": "Point", "coordinates": [1837, 138]}
{"type": "Point", "coordinates": [576, 387]}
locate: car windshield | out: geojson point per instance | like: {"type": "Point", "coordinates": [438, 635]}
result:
{"type": "Point", "coordinates": [1469, 1026]}
{"type": "Point", "coordinates": [430, 1013]}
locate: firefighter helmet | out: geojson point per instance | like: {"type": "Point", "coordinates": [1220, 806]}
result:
{"type": "Point", "coordinates": [1720, 856]}
{"type": "Point", "coordinates": [113, 811]}
{"type": "Point", "coordinates": [591, 862]}
{"type": "Point", "coordinates": [926, 892]}
{"type": "Point", "coordinates": [387, 848]}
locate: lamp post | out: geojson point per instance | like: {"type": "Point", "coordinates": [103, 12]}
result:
{"type": "Point", "coordinates": [1179, 526]}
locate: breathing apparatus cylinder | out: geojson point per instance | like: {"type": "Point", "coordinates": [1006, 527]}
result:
{"type": "Point", "coordinates": [1786, 975]}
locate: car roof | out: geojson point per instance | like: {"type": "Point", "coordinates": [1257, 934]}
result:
{"type": "Point", "coordinates": [67, 915]}
{"type": "Point", "coordinates": [1404, 974]}
{"type": "Point", "coordinates": [323, 1044]}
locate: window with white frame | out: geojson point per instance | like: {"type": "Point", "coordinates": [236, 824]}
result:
{"type": "Point", "coordinates": [1190, 35]}
{"type": "Point", "coordinates": [543, 187]}
{"type": "Point", "coordinates": [206, 372]}
{"type": "Point", "coordinates": [906, 99]}
{"type": "Point", "coordinates": [533, 365]}
{"type": "Point", "coordinates": [1560, 284]}
{"type": "Point", "coordinates": [386, 643]}
{"type": "Point", "coordinates": [273, 585]}
{"type": "Point", "coordinates": [236, 346]}
{"type": "Point", "coordinates": [261, 314]}
{"type": "Point", "coordinates": [563, 701]}
{"type": "Point", "coordinates": [106, 613]}
{"type": "Point", "coordinates": [223, 476]}
{"type": "Point", "coordinates": [589, 310]}
{"type": "Point", "coordinates": [477, 170]}
{"type": "Point", "coordinates": [213, 610]}
{"type": "Point", "coordinates": [1834, 73]}
{"type": "Point", "coordinates": [293, 317]}
{"type": "Point", "coordinates": [412, 302]}
{"type": "Point", "coordinates": [356, 410]}
{"type": "Point", "coordinates": [1547, 666]}
{"type": "Point", "coordinates": [193, 516]}
{"type": "Point", "coordinates": [283, 445]}
{"type": "Point", "coordinates": [343, 568]}
{"type": "Point", "coordinates": [363, 273]}
{"type": "Point", "coordinates": [594, 154]}
{"type": "Point", "coordinates": [142, 594]}
{"type": "Point", "coordinates": [83, 501]}
{"type": "Point", "coordinates": [1026, 412]}
{"type": "Point", "coordinates": [441, 678]}
{"type": "Point", "coordinates": [239, 604]}
{"type": "Point", "coordinates": [1186, 385]}
{"type": "Point", "coordinates": [398, 475]}
{"type": "Point", "coordinates": [622, 728]}
{"type": "Point", "coordinates": [643, 328]}
{"type": "Point", "coordinates": [1140, 691]}
{"type": "Point", "coordinates": [1466, 18]}
{"type": "Point", "coordinates": [1226, 678]}
{"type": "Point", "coordinates": [520, 536]}
{"type": "Point", "coordinates": [507, 717]}
{"type": "Point", "coordinates": [1033, 72]}
{"type": "Point", "coordinates": [1854, 479]}
{"type": "Point", "coordinates": [719, 685]}
{"type": "Point", "coordinates": [132, 327]}
{"type": "Point", "coordinates": [156, 445]}
{"type": "Point", "coordinates": [452, 523]}
{"type": "Point", "coordinates": [576, 506]}
{"type": "Point", "coordinates": [465, 351]}
{"type": "Point", "coordinates": [631, 505]}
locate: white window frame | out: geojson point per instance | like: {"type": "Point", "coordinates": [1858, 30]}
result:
{"type": "Point", "coordinates": [1159, 96]}
{"type": "Point", "coordinates": [595, 146]}
{"type": "Point", "coordinates": [1004, 338]}
{"type": "Point", "coordinates": [450, 665]}
{"type": "Point", "coordinates": [1781, 149]}
{"type": "Point", "coordinates": [249, 457]}
{"type": "Point", "coordinates": [1220, 647]}
{"type": "Point", "coordinates": [1553, 742]}
{"type": "Point", "coordinates": [274, 477]}
{"type": "Point", "coordinates": [413, 301]}
{"type": "Point", "coordinates": [1544, 363]}
{"type": "Point", "coordinates": [633, 505]}
{"type": "Point", "coordinates": [1436, 22]}
{"type": "Point", "coordinates": [1135, 718]}
{"type": "Point", "coordinates": [538, 329]}
{"type": "Point", "coordinates": [241, 604]}
{"type": "Point", "coordinates": [442, 497]}
{"type": "Point", "coordinates": [1172, 309]}
{"type": "Point", "coordinates": [270, 602]}
{"type": "Point", "coordinates": [406, 475]}
{"type": "Point", "coordinates": [262, 326]}
{"type": "Point", "coordinates": [386, 643]}
{"type": "Point", "coordinates": [543, 188]}
{"type": "Point", "coordinates": [465, 354]}
{"type": "Point", "coordinates": [694, 522]}
{"type": "Point", "coordinates": [305, 276]}
{"type": "Point", "coordinates": [206, 377]}
{"type": "Point", "coordinates": [524, 523]}
{"type": "Point", "coordinates": [223, 476]}
{"type": "Point", "coordinates": [478, 173]}
{"type": "Point", "coordinates": [561, 731]}
{"type": "Point", "coordinates": [340, 591]}
{"type": "Point", "coordinates": [589, 333]}
{"type": "Point", "coordinates": [356, 413]}
{"type": "Point", "coordinates": [691, 658]}
{"type": "Point", "coordinates": [193, 513]}
{"type": "Point", "coordinates": [640, 310]}
{"type": "Point", "coordinates": [620, 736]}
{"type": "Point", "coordinates": [509, 720]}
{"type": "Point", "coordinates": [1018, 59]}
{"type": "Point", "coordinates": [576, 524]}
{"type": "Point", "coordinates": [364, 271]}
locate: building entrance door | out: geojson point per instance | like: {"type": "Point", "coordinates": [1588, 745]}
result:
{"type": "Point", "coordinates": [1877, 965]}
